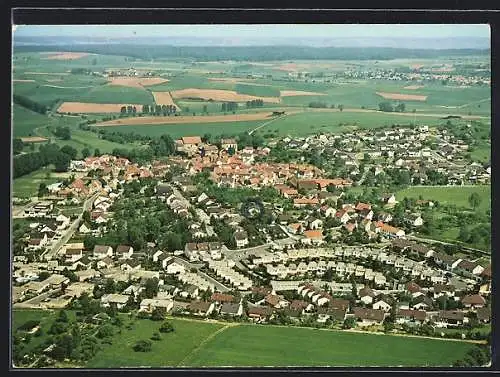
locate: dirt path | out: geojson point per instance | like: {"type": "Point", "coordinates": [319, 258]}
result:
{"type": "Point", "coordinates": [68, 87]}
{"type": "Point", "coordinates": [205, 341]}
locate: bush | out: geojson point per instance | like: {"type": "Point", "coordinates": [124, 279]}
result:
{"type": "Point", "coordinates": [143, 315]}
{"type": "Point", "coordinates": [143, 346]}
{"type": "Point", "coordinates": [156, 336]}
{"type": "Point", "coordinates": [28, 325]}
{"type": "Point", "coordinates": [166, 327]}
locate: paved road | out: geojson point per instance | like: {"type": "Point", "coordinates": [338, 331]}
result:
{"type": "Point", "coordinates": [52, 252]}
{"type": "Point", "coordinates": [268, 122]}
{"type": "Point", "coordinates": [243, 253]}
{"type": "Point", "coordinates": [18, 212]}
{"type": "Point", "coordinates": [221, 287]}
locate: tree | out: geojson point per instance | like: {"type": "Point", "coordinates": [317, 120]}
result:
{"type": "Point", "coordinates": [166, 327]}
{"type": "Point", "coordinates": [17, 146]}
{"type": "Point", "coordinates": [349, 323]}
{"type": "Point", "coordinates": [123, 110]}
{"type": "Point", "coordinates": [143, 346]}
{"type": "Point", "coordinates": [62, 317]}
{"type": "Point", "coordinates": [145, 109]}
{"type": "Point", "coordinates": [474, 200]}
{"type": "Point", "coordinates": [42, 190]}
{"type": "Point", "coordinates": [85, 152]}
{"type": "Point", "coordinates": [400, 107]}
{"type": "Point", "coordinates": [341, 107]}
{"type": "Point", "coordinates": [70, 151]}
{"type": "Point", "coordinates": [205, 109]}
{"type": "Point", "coordinates": [105, 331]}
{"type": "Point", "coordinates": [97, 152]}
{"type": "Point", "coordinates": [156, 336]}
{"type": "Point", "coordinates": [158, 314]}
{"type": "Point", "coordinates": [385, 106]}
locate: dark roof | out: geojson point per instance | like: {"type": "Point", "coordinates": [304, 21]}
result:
{"type": "Point", "coordinates": [484, 314]}
{"type": "Point", "coordinates": [451, 314]}
{"type": "Point", "coordinates": [199, 306]}
{"type": "Point", "coordinates": [262, 311]}
{"type": "Point", "coordinates": [367, 313]}
{"type": "Point", "coordinates": [101, 249]}
{"type": "Point", "coordinates": [418, 315]}
{"type": "Point", "coordinates": [336, 314]}
{"type": "Point", "coordinates": [339, 303]}
{"type": "Point", "coordinates": [298, 305]}
{"type": "Point", "coordinates": [230, 308]}
{"type": "Point", "coordinates": [422, 299]}
{"type": "Point", "coordinates": [413, 287]}
{"type": "Point", "coordinates": [121, 249]}
{"type": "Point", "coordinates": [214, 245]}
{"type": "Point", "coordinates": [473, 300]}
{"type": "Point", "coordinates": [438, 288]}
{"type": "Point", "coordinates": [240, 235]}
{"type": "Point", "coordinates": [467, 265]}
{"type": "Point", "coordinates": [366, 291]}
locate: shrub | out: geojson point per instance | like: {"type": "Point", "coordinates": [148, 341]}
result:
{"type": "Point", "coordinates": [156, 336]}
{"type": "Point", "coordinates": [143, 346]}
{"type": "Point", "coordinates": [166, 327]}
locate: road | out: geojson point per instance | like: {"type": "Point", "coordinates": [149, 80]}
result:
{"type": "Point", "coordinates": [239, 254]}
{"type": "Point", "coordinates": [52, 252]}
{"type": "Point", "coordinates": [221, 287]}
{"type": "Point", "coordinates": [18, 211]}
{"type": "Point", "coordinates": [269, 122]}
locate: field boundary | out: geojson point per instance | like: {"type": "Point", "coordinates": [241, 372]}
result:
{"type": "Point", "coordinates": [205, 341]}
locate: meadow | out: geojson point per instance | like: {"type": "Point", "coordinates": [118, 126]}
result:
{"type": "Point", "coordinates": [27, 185]}
{"type": "Point", "coordinates": [168, 352]}
{"type": "Point", "coordinates": [452, 195]}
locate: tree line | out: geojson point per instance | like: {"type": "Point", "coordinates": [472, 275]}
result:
{"type": "Point", "coordinates": [389, 108]}
{"type": "Point", "coordinates": [29, 104]}
{"type": "Point", "coordinates": [158, 109]}
{"type": "Point", "coordinates": [255, 103]}
{"type": "Point", "coordinates": [229, 106]}
{"type": "Point", "coordinates": [47, 154]}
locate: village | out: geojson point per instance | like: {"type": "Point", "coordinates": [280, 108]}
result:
{"type": "Point", "coordinates": [306, 256]}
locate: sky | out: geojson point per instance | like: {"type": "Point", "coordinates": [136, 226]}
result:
{"type": "Point", "coordinates": [256, 31]}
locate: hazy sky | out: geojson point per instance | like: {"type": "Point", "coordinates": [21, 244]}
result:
{"type": "Point", "coordinates": [255, 31]}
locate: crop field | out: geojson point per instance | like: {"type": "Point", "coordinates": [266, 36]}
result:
{"type": "Point", "coordinates": [402, 97]}
{"type": "Point", "coordinates": [450, 195]}
{"type": "Point", "coordinates": [117, 94]}
{"type": "Point", "coordinates": [219, 95]}
{"type": "Point", "coordinates": [164, 98]}
{"type": "Point", "coordinates": [65, 55]}
{"type": "Point", "coordinates": [98, 108]}
{"type": "Point", "coordinates": [257, 90]}
{"type": "Point", "coordinates": [136, 82]}
{"type": "Point", "coordinates": [159, 120]}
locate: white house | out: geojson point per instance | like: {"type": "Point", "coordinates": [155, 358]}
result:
{"type": "Point", "coordinates": [382, 305]}
{"type": "Point", "coordinates": [149, 304]}
{"type": "Point", "coordinates": [119, 300]}
{"type": "Point", "coordinates": [241, 238]}
{"type": "Point", "coordinates": [102, 251]}
{"type": "Point", "coordinates": [174, 267]}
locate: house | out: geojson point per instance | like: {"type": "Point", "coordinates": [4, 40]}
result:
{"type": "Point", "coordinates": [337, 315]}
{"type": "Point", "coordinates": [443, 289]}
{"type": "Point", "coordinates": [473, 302]}
{"type": "Point", "coordinates": [84, 229]}
{"type": "Point", "coordinates": [241, 238]}
{"type": "Point", "coordinates": [201, 308]}
{"type": "Point", "coordinates": [389, 199]}
{"type": "Point", "coordinates": [366, 295]}
{"type": "Point", "coordinates": [102, 251]}
{"type": "Point", "coordinates": [422, 302]}
{"type": "Point", "coordinates": [382, 305]}
{"type": "Point", "coordinates": [390, 231]}
{"type": "Point", "coordinates": [339, 303]}
{"type": "Point", "coordinates": [130, 265]}
{"type": "Point", "coordinates": [106, 262]}
{"type": "Point", "coordinates": [229, 143]}
{"type": "Point", "coordinates": [484, 314]}
{"type": "Point", "coordinates": [343, 216]}
{"type": "Point", "coordinates": [260, 313]}
{"type": "Point", "coordinates": [150, 304]}
{"type": "Point", "coordinates": [369, 316]}
{"type": "Point", "coordinates": [313, 223]}
{"type": "Point", "coordinates": [62, 221]}
{"type": "Point", "coordinates": [313, 237]}
{"type": "Point", "coordinates": [452, 318]}
{"type": "Point", "coordinates": [174, 267]}
{"type": "Point", "coordinates": [124, 251]}
{"type": "Point", "coordinates": [233, 310]}
{"type": "Point", "coordinates": [113, 298]}
{"type": "Point", "coordinates": [72, 255]}
{"type": "Point", "coordinates": [469, 267]}
{"type": "Point", "coordinates": [410, 316]}
{"type": "Point", "coordinates": [275, 301]}
{"type": "Point", "coordinates": [221, 298]}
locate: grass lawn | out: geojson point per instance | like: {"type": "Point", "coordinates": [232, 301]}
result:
{"type": "Point", "coordinates": [117, 94]}
{"type": "Point", "coordinates": [169, 351]}
{"type": "Point", "coordinates": [27, 185]}
{"type": "Point", "coordinates": [450, 195]}
{"type": "Point", "coordinates": [250, 345]}
{"type": "Point", "coordinates": [257, 90]}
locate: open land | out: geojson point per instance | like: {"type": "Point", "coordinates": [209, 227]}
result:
{"type": "Point", "coordinates": [66, 55]}
{"type": "Point", "coordinates": [402, 97]}
{"type": "Point", "coordinates": [136, 82]}
{"type": "Point", "coordinates": [100, 108]}
{"type": "Point", "coordinates": [219, 95]}
{"type": "Point", "coordinates": [164, 98]}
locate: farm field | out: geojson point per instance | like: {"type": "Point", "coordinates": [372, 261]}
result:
{"type": "Point", "coordinates": [96, 108]}
{"type": "Point", "coordinates": [281, 346]}
{"type": "Point", "coordinates": [26, 121]}
{"type": "Point", "coordinates": [450, 195]}
{"type": "Point", "coordinates": [168, 352]}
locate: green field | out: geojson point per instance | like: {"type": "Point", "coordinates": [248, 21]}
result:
{"type": "Point", "coordinates": [250, 345]}
{"type": "Point", "coordinates": [257, 90]}
{"type": "Point", "coordinates": [184, 129]}
{"type": "Point", "coordinates": [117, 94]}
{"type": "Point", "coordinates": [170, 351]}
{"type": "Point", "coordinates": [26, 121]}
{"type": "Point", "coordinates": [450, 195]}
{"type": "Point", "coordinates": [27, 185]}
